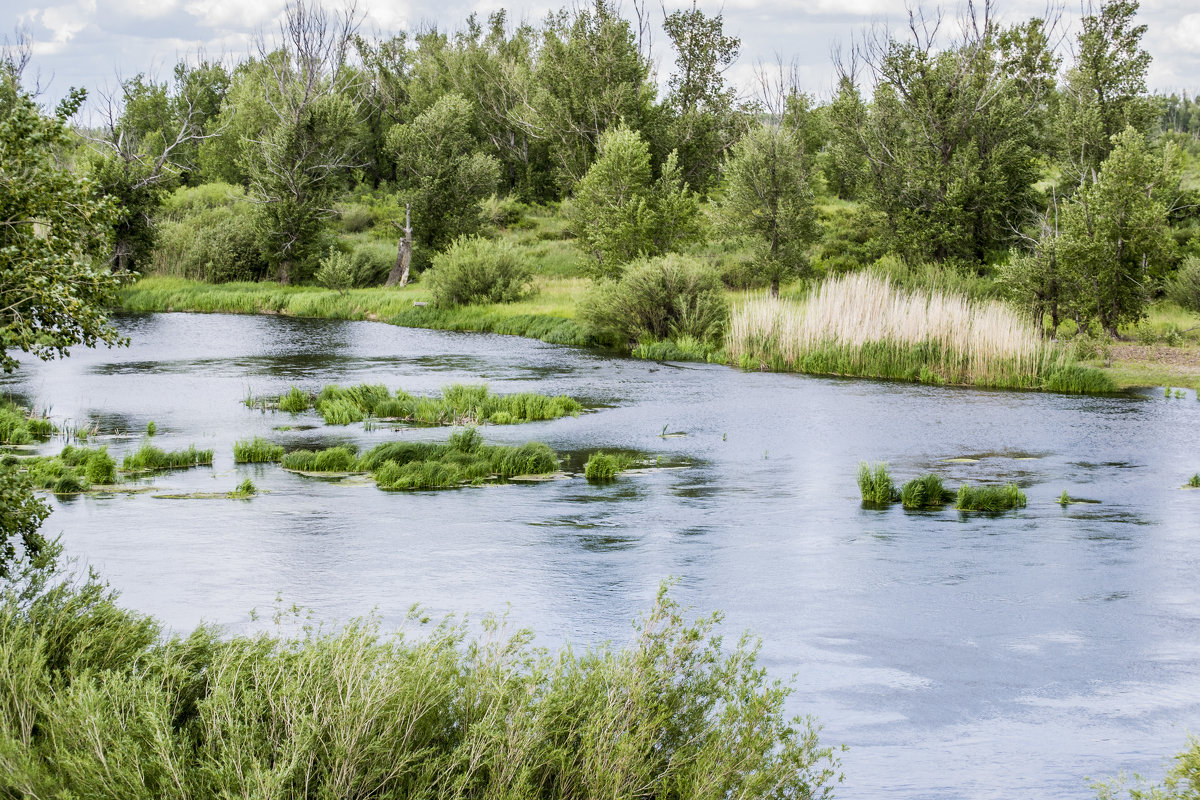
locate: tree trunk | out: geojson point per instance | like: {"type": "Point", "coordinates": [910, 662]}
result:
{"type": "Point", "coordinates": [285, 272]}
{"type": "Point", "coordinates": [775, 287]}
{"type": "Point", "coordinates": [399, 274]}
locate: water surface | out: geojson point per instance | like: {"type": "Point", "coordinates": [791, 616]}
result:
{"type": "Point", "coordinates": [956, 655]}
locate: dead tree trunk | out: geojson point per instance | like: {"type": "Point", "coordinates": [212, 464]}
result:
{"type": "Point", "coordinates": [399, 274]}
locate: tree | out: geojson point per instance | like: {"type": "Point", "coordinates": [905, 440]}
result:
{"type": "Point", "coordinates": [53, 294]}
{"type": "Point", "coordinates": [704, 119]}
{"type": "Point", "coordinates": [620, 213]}
{"type": "Point", "coordinates": [441, 173]}
{"type": "Point", "coordinates": [308, 111]}
{"type": "Point", "coordinates": [1105, 90]}
{"type": "Point", "coordinates": [1115, 243]}
{"type": "Point", "coordinates": [845, 164]}
{"type": "Point", "coordinates": [766, 196]}
{"type": "Point", "coordinates": [22, 548]}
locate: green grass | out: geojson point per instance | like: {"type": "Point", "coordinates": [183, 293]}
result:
{"type": "Point", "coordinates": [149, 458]}
{"type": "Point", "coordinates": [462, 460]}
{"type": "Point", "coordinates": [333, 459]}
{"type": "Point", "coordinates": [1194, 481]}
{"type": "Point", "coordinates": [256, 451]}
{"type": "Point", "coordinates": [75, 469]}
{"type": "Point", "coordinates": [151, 428]}
{"type": "Point", "coordinates": [603, 466]}
{"type": "Point", "coordinates": [458, 405]}
{"type": "Point", "coordinates": [101, 701]}
{"type": "Point", "coordinates": [1079, 379]}
{"type": "Point", "coordinates": [990, 498]}
{"type": "Point", "coordinates": [244, 489]}
{"type": "Point", "coordinates": [876, 485]}
{"type": "Point", "coordinates": [18, 426]}
{"type": "Point", "coordinates": [925, 492]}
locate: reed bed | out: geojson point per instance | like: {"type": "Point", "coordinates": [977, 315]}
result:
{"type": "Point", "coordinates": [100, 702]}
{"type": "Point", "coordinates": [256, 451]}
{"type": "Point", "coordinates": [458, 404]}
{"type": "Point", "coordinates": [862, 324]}
{"type": "Point", "coordinates": [149, 458]}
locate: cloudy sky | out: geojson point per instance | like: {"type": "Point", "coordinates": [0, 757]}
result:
{"type": "Point", "coordinates": [90, 42]}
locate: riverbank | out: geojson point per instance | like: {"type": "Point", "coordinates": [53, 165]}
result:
{"type": "Point", "coordinates": [548, 315]}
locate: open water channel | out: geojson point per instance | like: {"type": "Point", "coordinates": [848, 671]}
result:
{"type": "Point", "coordinates": [957, 655]}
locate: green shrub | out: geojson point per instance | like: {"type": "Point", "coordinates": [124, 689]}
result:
{"type": "Point", "coordinates": [475, 270]}
{"type": "Point", "coordinates": [989, 498]}
{"type": "Point", "coordinates": [256, 451]}
{"type": "Point", "coordinates": [926, 491]}
{"type": "Point", "coordinates": [1183, 288]}
{"type": "Point", "coordinates": [336, 272]}
{"type": "Point", "coordinates": [370, 262]}
{"type": "Point", "coordinates": [876, 485]}
{"type": "Point", "coordinates": [216, 244]}
{"type": "Point", "coordinates": [356, 218]}
{"type": "Point", "coordinates": [661, 298]}
{"type": "Point", "coordinates": [501, 212]}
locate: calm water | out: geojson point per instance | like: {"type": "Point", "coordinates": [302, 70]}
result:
{"type": "Point", "coordinates": [956, 655]}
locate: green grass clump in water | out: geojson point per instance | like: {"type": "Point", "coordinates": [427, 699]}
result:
{"type": "Point", "coordinates": [151, 428]}
{"type": "Point", "coordinates": [1077, 379]}
{"type": "Point", "coordinates": [1194, 481]}
{"type": "Point", "coordinates": [989, 498]}
{"type": "Point", "coordinates": [149, 458]}
{"type": "Point", "coordinates": [244, 489]}
{"type": "Point", "coordinates": [437, 711]}
{"type": "Point", "coordinates": [19, 427]}
{"type": "Point", "coordinates": [1064, 499]}
{"type": "Point", "coordinates": [75, 469]}
{"type": "Point", "coordinates": [876, 485]}
{"type": "Point", "coordinates": [459, 404]}
{"type": "Point", "coordinates": [295, 401]}
{"type": "Point", "coordinates": [256, 451]}
{"type": "Point", "coordinates": [333, 459]}
{"type": "Point", "coordinates": [463, 459]}
{"type": "Point", "coordinates": [603, 466]}
{"type": "Point", "coordinates": [926, 491]}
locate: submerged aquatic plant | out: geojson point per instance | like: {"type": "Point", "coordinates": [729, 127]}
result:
{"type": "Point", "coordinates": [149, 458]}
{"type": "Point", "coordinates": [926, 491]}
{"type": "Point", "coordinates": [990, 498]}
{"type": "Point", "coordinates": [256, 451]}
{"type": "Point", "coordinates": [876, 485]}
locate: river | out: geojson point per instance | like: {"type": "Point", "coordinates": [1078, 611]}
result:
{"type": "Point", "coordinates": [956, 655]}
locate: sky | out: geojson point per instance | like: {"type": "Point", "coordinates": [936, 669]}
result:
{"type": "Point", "coordinates": [93, 43]}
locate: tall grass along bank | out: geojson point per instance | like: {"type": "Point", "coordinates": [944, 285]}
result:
{"type": "Point", "coordinates": [863, 325]}
{"type": "Point", "coordinates": [99, 702]}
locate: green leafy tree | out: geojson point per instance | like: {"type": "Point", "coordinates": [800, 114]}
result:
{"type": "Point", "coordinates": [1114, 243]}
{"type": "Point", "coordinates": [845, 164]}
{"type": "Point", "coordinates": [23, 549]}
{"type": "Point", "coordinates": [442, 173]}
{"type": "Point", "coordinates": [1105, 90]}
{"type": "Point", "coordinates": [53, 225]}
{"type": "Point", "coordinates": [767, 197]}
{"type": "Point", "coordinates": [619, 211]}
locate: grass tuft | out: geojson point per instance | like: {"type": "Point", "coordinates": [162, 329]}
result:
{"type": "Point", "coordinates": [926, 491]}
{"type": "Point", "coordinates": [876, 485]}
{"type": "Point", "coordinates": [990, 498]}
{"type": "Point", "coordinates": [256, 451]}
{"type": "Point", "coordinates": [149, 458]}
{"type": "Point", "coordinates": [603, 466]}
{"type": "Point", "coordinates": [1194, 481]}
{"type": "Point", "coordinates": [18, 426]}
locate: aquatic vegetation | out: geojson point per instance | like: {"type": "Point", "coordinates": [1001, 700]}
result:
{"type": "Point", "coordinates": [75, 469]}
{"type": "Point", "coordinates": [989, 498]}
{"type": "Point", "coordinates": [333, 459]}
{"type": "Point", "coordinates": [864, 325]}
{"type": "Point", "coordinates": [149, 458]}
{"type": "Point", "coordinates": [459, 404]}
{"type": "Point", "coordinates": [876, 485]}
{"type": "Point", "coordinates": [1064, 499]}
{"type": "Point", "coordinates": [926, 491]}
{"type": "Point", "coordinates": [1194, 481]}
{"type": "Point", "coordinates": [432, 708]}
{"type": "Point", "coordinates": [151, 428]}
{"type": "Point", "coordinates": [17, 426]}
{"type": "Point", "coordinates": [244, 489]}
{"type": "Point", "coordinates": [256, 451]}
{"type": "Point", "coordinates": [1077, 379]}
{"type": "Point", "coordinates": [603, 466]}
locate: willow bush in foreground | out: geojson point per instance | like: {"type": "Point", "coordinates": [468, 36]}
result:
{"type": "Point", "coordinates": [862, 324]}
{"type": "Point", "coordinates": [95, 701]}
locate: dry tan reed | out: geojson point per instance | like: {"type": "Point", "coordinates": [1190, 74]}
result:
{"type": "Point", "coordinates": [862, 324]}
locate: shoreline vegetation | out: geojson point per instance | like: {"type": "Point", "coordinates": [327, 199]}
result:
{"type": "Point", "coordinates": [935, 337]}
